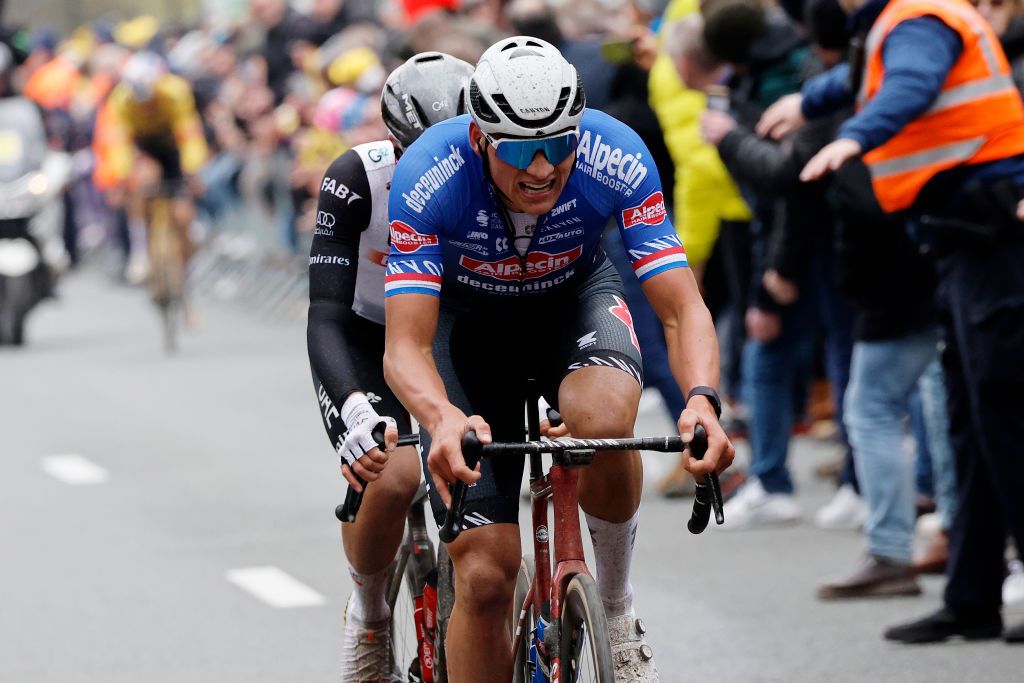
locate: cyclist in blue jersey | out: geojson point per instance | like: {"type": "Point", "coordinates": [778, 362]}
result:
{"type": "Point", "coordinates": [496, 274]}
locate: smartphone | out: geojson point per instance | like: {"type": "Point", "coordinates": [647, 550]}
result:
{"type": "Point", "coordinates": [617, 51]}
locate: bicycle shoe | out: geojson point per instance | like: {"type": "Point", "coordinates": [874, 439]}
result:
{"type": "Point", "coordinates": [632, 656]}
{"type": "Point", "coordinates": [366, 651]}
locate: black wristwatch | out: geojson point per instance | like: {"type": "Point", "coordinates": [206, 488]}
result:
{"type": "Point", "coordinates": [708, 393]}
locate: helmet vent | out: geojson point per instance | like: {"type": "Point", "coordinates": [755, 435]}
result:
{"type": "Point", "coordinates": [580, 101]}
{"type": "Point", "coordinates": [476, 102]}
{"type": "Point", "coordinates": [430, 57]}
{"type": "Point", "coordinates": [523, 52]}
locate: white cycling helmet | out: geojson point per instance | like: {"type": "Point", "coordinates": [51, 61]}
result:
{"type": "Point", "coordinates": [141, 73]}
{"type": "Point", "coordinates": [524, 88]}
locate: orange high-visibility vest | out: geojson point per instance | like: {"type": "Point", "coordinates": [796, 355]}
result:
{"type": "Point", "coordinates": [977, 117]}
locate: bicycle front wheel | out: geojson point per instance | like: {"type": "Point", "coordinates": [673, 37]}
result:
{"type": "Point", "coordinates": [586, 655]}
{"type": "Point", "coordinates": [400, 597]}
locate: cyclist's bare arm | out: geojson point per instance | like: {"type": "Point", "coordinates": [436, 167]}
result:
{"type": "Point", "coordinates": [693, 356]}
{"type": "Point", "coordinates": [410, 372]}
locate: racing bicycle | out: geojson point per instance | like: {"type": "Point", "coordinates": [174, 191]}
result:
{"type": "Point", "coordinates": [166, 262]}
{"type": "Point", "coordinates": [558, 631]}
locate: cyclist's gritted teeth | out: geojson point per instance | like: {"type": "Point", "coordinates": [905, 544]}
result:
{"type": "Point", "coordinates": [535, 189]}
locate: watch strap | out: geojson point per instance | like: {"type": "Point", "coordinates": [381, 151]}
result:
{"type": "Point", "coordinates": [710, 394]}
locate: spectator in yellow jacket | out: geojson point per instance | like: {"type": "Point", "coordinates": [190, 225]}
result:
{"type": "Point", "coordinates": [704, 194]}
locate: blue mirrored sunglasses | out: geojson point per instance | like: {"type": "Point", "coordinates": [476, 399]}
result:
{"type": "Point", "coordinates": [520, 153]}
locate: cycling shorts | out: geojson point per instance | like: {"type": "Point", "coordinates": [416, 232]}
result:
{"type": "Point", "coordinates": [163, 149]}
{"type": "Point", "coordinates": [485, 355]}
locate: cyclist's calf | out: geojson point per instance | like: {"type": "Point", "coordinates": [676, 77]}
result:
{"type": "Point", "coordinates": [486, 561]}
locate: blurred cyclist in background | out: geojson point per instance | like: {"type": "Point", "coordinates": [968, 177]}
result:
{"type": "Point", "coordinates": [345, 340]}
{"type": "Point", "coordinates": [157, 136]}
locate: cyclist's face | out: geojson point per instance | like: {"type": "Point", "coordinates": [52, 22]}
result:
{"type": "Point", "coordinates": [534, 189]}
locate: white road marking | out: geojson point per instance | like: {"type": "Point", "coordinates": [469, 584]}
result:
{"type": "Point", "coordinates": [274, 587]}
{"type": "Point", "coordinates": [74, 469]}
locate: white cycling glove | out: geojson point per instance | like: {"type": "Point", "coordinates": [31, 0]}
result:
{"type": "Point", "coordinates": [361, 419]}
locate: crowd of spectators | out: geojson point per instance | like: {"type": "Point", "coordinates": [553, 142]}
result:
{"type": "Point", "coordinates": [807, 281]}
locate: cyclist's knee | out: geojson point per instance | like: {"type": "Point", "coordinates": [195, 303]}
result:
{"type": "Point", "coordinates": [603, 415]}
{"type": "Point", "coordinates": [599, 402]}
{"type": "Point", "coordinates": [485, 577]}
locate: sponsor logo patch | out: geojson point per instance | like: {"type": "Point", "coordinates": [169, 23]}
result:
{"type": "Point", "coordinates": [322, 259]}
{"type": "Point", "coordinates": [470, 246]}
{"type": "Point", "coordinates": [548, 239]}
{"type": "Point", "coordinates": [406, 240]}
{"type": "Point", "coordinates": [434, 179]}
{"type": "Point", "coordinates": [608, 165]}
{"type": "Point", "coordinates": [538, 264]}
{"type": "Point", "coordinates": [562, 208]}
{"type": "Point", "coordinates": [651, 211]}
{"type": "Point", "coordinates": [325, 220]}
{"type": "Point", "coordinates": [339, 190]}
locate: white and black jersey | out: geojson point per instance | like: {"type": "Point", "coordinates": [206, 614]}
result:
{"type": "Point", "coordinates": [347, 262]}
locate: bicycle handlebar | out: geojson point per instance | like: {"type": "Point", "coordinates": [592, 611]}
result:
{"type": "Point", "coordinates": [346, 512]}
{"type": "Point", "coordinates": [473, 450]}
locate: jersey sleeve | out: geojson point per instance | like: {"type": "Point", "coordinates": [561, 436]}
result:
{"type": "Point", "coordinates": [650, 239]}
{"type": "Point", "coordinates": [343, 213]}
{"type": "Point", "coordinates": [418, 190]}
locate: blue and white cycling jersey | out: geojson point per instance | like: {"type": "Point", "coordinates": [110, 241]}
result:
{"type": "Point", "coordinates": [448, 229]}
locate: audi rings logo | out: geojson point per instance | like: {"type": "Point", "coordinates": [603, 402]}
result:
{"type": "Point", "coordinates": [324, 219]}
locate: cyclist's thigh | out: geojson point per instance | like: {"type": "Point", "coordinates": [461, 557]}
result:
{"type": "Point", "coordinates": [595, 329]}
{"type": "Point", "coordinates": [483, 376]}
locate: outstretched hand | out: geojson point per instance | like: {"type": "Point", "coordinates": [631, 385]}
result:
{"type": "Point", "coordinates": [830, 158]}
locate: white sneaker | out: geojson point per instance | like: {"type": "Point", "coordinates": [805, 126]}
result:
{"type": "Point", "coordinates": [1013, 585]}
{"type": "Point", "coordinates": [137, 269]}
{"type": "Point", "coordinates": [632, 656]}
{"type": "Point", "coordinates": [846, 510]}
{"type": "Point", "coordinates": [752, 506]}
{"type": "Point", "coordinates": [366, 651]}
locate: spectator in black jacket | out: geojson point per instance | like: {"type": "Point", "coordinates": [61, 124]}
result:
{"type": "Point", "coordinates": [768, 56]}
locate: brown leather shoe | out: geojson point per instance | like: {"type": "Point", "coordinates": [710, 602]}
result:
{"type": "Point", "coordinates": [934, 557]}
{"type": "Point", "coordinates": [875, 577]}
{"type": "Point", "coordinates": [678, 483]}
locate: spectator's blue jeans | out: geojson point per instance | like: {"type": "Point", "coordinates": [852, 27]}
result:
{"type": "Point", "coordinates": [772, 372]}
{"type": "Point", "coordinates": [775, 373]}
{"type": "Point", "coordinates": [883, 375]}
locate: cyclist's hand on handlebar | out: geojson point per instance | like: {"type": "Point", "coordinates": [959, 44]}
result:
{"type": "Point", "coordinates": [553, 432]}
{"type": "Point", "coordinates": [720, 452]}
{"type": "Point", "coordinates": [445, 461]}
{"type": "Point", "coordinates": [360, 454]}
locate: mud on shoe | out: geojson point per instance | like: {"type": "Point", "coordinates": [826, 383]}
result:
{"type": "Point", "coordinates": [366, 651]}
{"type": "Point", "coordinates": [633, 658]}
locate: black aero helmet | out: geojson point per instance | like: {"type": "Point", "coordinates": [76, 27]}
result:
{"type": "Point", "coordinates": [428, 88]}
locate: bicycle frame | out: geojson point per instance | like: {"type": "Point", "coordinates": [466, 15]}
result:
{"type": "Point", "coordinates": [559, 486]}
